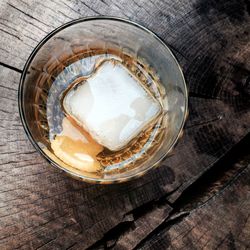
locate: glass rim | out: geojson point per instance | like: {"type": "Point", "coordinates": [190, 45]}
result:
{"type": "Point", "coordinates": [40, 150]}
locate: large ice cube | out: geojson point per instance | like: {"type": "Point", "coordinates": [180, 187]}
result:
{"type": "Point", "coordinates": [112, 105]}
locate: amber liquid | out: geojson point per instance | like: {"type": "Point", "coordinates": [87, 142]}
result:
{"type": "Point", "coordinates": [70, 145]}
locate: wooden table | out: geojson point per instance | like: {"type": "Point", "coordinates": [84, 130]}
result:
{"type": "Point", "coordinates": [198, 199]}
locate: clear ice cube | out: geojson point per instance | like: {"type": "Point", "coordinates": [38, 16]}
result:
{"type": "Point", "coordinates": [111, 105]}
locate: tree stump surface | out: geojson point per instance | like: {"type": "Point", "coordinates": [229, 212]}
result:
{"type": "Point", "coordinates": [199, 198]}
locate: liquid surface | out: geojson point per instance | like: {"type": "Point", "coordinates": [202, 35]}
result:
{"type": "Point", "coordinates": [69, 140]}
{"type": "Point", "coordinates": [76, 148]}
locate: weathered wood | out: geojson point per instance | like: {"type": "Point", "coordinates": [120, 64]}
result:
{"type": "Point", "coordinates": [221, 223]}
{"type": "Point", "coordinates": [27, 190]}
{"type": "Point", "coordinates": [39, 205]}
{"type": "Point", "coordinates": [42, 208]}
{"type": "Point", "coordinates": [198, 194]}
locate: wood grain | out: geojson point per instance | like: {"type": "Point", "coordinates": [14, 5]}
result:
{"type": "Point", "coordinates": [221, 223]}
{"type": "Point", "coordinates": [42, 208]}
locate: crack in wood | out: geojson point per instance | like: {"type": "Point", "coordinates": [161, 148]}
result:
{"type": "Point", "coordinates": [176, 218]}
{"type": "Point", "coordinates": [11, 34]}
{"type": "Point", "coordinates": [166, 224]}
{"type": "Point", "coordinates": [216, 178]}
{"type": "Point", "coordinates": [128, 222]}
{"type": "Point", "coordinates": [212, 183]}
{"type": "Point", "coordinates": [7, 26]}
{"type": "Point", "coordinates": [28, 15]}
{"type": "Point", "coordinates": [110, 238]}
{"type": "Point", "coordinates": [10, 67]}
